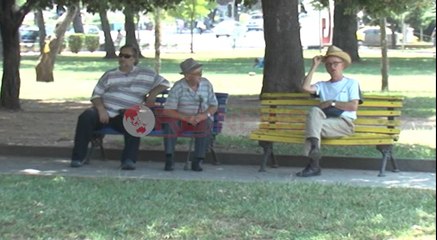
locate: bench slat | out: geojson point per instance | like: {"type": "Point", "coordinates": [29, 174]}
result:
{"type": "Point", "coordinates": [347, 141]}
{"type": "Point", "coordinates": [313, 102]}
{"type": "Point", "coordinates": [306, 95]}
{"type": "Point", "coordinates": [297, 133]}
{"type": "Point", "coordinates": [301, 118]}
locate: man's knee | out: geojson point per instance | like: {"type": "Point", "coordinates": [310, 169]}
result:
{"type": "Point", "coordinates": [88, 115]}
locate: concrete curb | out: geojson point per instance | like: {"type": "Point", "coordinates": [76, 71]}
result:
{"type": "Point", "coordinates": [408, 165]}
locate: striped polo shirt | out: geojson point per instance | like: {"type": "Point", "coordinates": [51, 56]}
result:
{"type": "Point", "coordinates": [187, 101]}
{"type": "Point", "coordinates": [119, 90]}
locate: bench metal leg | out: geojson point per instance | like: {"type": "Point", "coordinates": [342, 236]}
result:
{"type": "Point", "coordinates": [96, 141]}
{"type": "Point", "coordinates": [387, 153]}
{"type": "Point", "coordinates": [268, 153]}
{"type": "Point", "coordinates": [215, 161]}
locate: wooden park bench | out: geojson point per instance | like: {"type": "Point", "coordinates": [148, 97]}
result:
{"type": "Point", "coordinates": [186, 130]}
{"type": "Point", "coordinates": [283, 116]}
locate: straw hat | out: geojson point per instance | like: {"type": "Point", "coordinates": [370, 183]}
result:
{"type": "Point", "coordinates": [189, 65]}
{"type": "Point", "coordinates": [334, 51]}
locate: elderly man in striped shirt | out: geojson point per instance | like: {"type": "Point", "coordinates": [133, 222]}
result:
{"type": "Point", "coordinates": [118, 89]}
{"type": "Point", "coordinates": [191, 101]}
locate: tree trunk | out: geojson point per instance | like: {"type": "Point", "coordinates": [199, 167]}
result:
{"type": "Point", "coordinates": [192, 13]}
{"type": "Point", "coordinates": [283, 60]}
{"type": "Point", "coordinates": [109, 43]}
{"type": "Point", "coordinates": [11, 19]}
{"type": "Point", "coordinates": [384, 59]}
{"type": "Point", "coordinates": [44, 68]}
{"type": "Point", "coordinates": [39, 19]}
{"type": "Point", "coordinates": [345, 28]}
{"type": "Point", "coordinates": [157, 14]}
{"type": "Point", "coordinates": [77, 23]}
{"type": "Point", "coordinates": [129, 26]}
{"type": "Point", "coordinates": [10, 90]}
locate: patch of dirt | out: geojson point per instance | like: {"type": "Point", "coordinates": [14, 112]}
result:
{"type": "Point", "coordinates": [53, 122]}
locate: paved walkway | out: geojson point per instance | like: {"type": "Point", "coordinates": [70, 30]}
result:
{"type": "Point", "coordinates": [154, 170]}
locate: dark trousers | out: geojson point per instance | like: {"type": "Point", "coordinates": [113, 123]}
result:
{"type": "Point", "coordinates": [88, 121]}
{"type": "Point", "coordinates": [201, 138]}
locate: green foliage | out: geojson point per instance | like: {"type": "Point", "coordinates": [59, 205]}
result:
{"type": "Point", "coordinates": [191, 10]}
{"type": "Point", "coordinates": [56, 207]}
{"type": "Point", "coordinates": [92, 42]}
{"type": "Point", "coordinates": [75, 42]}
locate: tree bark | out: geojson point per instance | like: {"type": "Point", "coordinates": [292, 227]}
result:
{"type": "Point", "coordinates": [283, 60]}
{"type": "Point", "coordinates": [157, 14]}
{"type": "Point", "coordinates": [384, 59]}
{"type": "Point", "coordinates": [77, 23]}
{"type": "Point", "coordinates": [11, 19]}
{"type": "Point", "coordinates": [45, 66]}
{"type": "Point", "coordinates": [39, 19]}
{"type": "Point", "coordinates": [129, 26]}
{"type": "Point", "coordinates": [345, 28]}
{"type": "Point", "coordinates": [109, 43]}
{"type": "Point", "coordinates": [11, 82]}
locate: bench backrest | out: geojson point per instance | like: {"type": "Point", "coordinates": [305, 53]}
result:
{"type": "Point", "coordinates": [287, 112]}
{"type": "Point", "coordinates": [219, 116]}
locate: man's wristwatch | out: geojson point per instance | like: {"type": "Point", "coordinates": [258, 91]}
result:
{"type": "Point", "coordinates": [333, 103]}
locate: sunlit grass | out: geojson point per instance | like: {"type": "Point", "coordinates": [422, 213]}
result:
{"type": "Point", "coordinates": [55, 207]}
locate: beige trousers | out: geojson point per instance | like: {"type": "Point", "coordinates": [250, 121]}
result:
{"type": "Point", "coordinates": [319, 126]}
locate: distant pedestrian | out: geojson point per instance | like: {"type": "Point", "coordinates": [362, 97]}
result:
{"type": "Point", "coordinates": [119, 38]}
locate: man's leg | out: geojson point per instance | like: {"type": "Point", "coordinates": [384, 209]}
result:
{"type": "Point", "coordinates": [87, 122]}
{"type": "Point", "coordinates": [317, 127]}
{"type": "Point", "coordinates": [169, 146]}
{"type": "Point", "coordinates": [313, 129]}
{"type": "Point", "coordinates": [201, 146]}
{"type": "Point", "coordinates": [131, 144]}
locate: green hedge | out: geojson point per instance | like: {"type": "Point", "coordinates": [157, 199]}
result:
{"type": "Point", "coordinates": [92, 42]}
{"type": "Point", "coordinates": [78, 41]}
{"type": "Point", "coordinates": [75, 42]}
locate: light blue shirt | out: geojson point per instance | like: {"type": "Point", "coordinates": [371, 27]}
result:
{"type": "Point", "coordinates": [344, 90]}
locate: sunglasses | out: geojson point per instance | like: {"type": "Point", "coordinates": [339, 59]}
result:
{"type": "Point", "coordinates": [123, 55]}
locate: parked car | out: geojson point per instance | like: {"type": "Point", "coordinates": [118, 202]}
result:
{"type": "Point", "coordinates": [229, 28]}
{"type": "Point", "coordinates": [256, 22]}
{"type": "Point", "coordinates": [29, 34]}
{"type": "Point", "coordinates": [370, 36]}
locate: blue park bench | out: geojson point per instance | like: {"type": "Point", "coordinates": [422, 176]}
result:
{"type": "Point", "coordinates": [184, 131]}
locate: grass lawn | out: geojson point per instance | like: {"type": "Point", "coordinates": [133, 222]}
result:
{"type": "Point", "coordinates": [37, 207]}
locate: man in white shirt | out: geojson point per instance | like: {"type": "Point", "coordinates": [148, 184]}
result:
{"type": "Point", "coordinates": [339, 99]}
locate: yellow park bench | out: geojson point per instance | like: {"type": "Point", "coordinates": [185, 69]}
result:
{"type": "Point", "coordinates": [283, 115]}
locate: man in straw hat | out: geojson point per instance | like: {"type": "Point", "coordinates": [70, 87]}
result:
{"type": "Point", "coordinates": [334, 116]}
{"type": "Point", "coordinates": [192, 101]}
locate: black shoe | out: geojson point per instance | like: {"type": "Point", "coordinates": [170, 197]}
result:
{"type": "Point", "coordinates": [128, 165]}
{"type": "Point", "coordinates": [309, 171]}
{"type": "Point", "coordinates": [195, 166]}
{"type": "Point", "coordinates": [168, 166]}
{"type": "Point", "coordinates": [76, 163]}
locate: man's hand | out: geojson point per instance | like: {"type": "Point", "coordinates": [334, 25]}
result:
{"type": "Point", "coordinates": [325, 104]}
{"type": "Point", "coordinates": [103, 116]}
{"type": "Point", "coordinates": [317, 60]}
{"type": "Point", "coordinates": [150, 102]}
